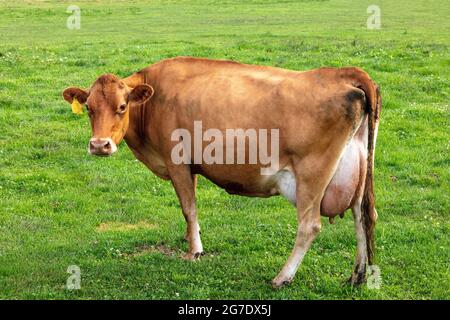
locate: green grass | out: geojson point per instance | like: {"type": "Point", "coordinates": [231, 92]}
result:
{"type": "Point", "coordinates": [54, 197]}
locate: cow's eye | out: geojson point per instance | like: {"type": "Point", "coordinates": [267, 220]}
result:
{"type": "Point", "coordinates": [122, 108]}
{"type": "Point", "coordinates": [87, 108]}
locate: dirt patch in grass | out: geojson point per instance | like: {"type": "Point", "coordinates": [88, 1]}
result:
{"type": "Point", "coordinates": [123, 226]}
{"type": "Point", "coordinates": [165, 250]}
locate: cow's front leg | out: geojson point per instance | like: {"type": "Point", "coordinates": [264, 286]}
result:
{"type": "Point", "coordinates": [186, 234]}
{"type": "Point", "coordinates": [184, 185]}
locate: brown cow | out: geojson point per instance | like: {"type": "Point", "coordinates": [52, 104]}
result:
{"type": "Point", "coordinates": [327, 121]}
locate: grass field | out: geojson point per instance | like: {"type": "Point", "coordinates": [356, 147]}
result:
{"type": "Point", "coordinates": [123, 226]}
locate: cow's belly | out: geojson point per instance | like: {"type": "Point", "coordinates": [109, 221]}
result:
{"type": "Point", "coordinates": [245, 181]}
{"type": "Point", "coordinates": [248, 181]}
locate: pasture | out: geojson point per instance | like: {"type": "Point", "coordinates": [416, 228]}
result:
{"type": "Point", "coordinates": [123, 226]}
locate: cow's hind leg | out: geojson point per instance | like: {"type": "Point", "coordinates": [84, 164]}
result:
{"type": "Point", "coordinates": [308, 213]}
{"type": "Point", "coordinates": [359, 271]}
{"type": "Point", "coordinates": [310, 187]}
{"type": "Point", "coordinates": [184, 185]}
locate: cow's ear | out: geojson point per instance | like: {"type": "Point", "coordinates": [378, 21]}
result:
{"type": "Point", "coordinates": [73, 92]}
{"type": "Point", "coordinates": [140, 94]}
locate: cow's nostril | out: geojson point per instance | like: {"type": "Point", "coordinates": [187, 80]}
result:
{"type": "Point", "coordinates": [101, 147]}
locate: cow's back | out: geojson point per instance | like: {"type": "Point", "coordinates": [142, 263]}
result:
{"type": "Point", "coordinates": [225, 94]}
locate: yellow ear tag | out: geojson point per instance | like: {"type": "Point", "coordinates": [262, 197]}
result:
{"type": "Point", "coordinates": [77, 108]}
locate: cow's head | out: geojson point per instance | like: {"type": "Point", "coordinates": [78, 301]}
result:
{"type": "Point", "coordinates": [108, 104]}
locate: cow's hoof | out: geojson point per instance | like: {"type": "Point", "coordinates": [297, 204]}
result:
{"type": "Point", "coordinates": [357, 279]}
{"type": "Point", "coordinates": [193, 256]}
{"type": "Point", "coordinates": [279, 282]}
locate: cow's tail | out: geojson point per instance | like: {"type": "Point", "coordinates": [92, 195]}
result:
{"type": "Point", "coordinates": [369, 215]}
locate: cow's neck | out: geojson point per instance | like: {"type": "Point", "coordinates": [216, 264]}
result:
{"type": "Point", "coordinates": [136, 133]}
{"type": "Point", "coordinates": [135, 136]}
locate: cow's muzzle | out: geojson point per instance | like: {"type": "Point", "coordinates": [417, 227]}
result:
{"type": "Point", "coordinates": [102, 146]}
